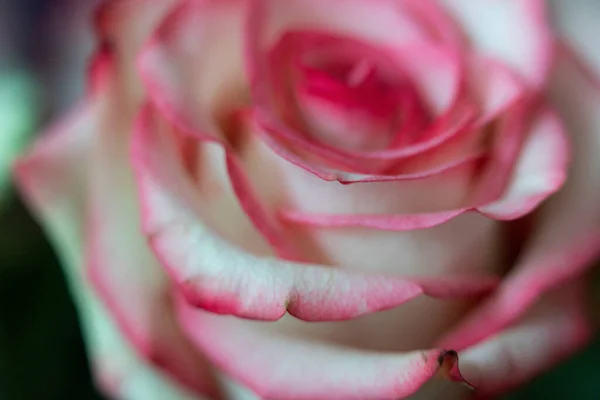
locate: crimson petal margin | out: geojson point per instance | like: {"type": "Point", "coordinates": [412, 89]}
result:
{"type": "Point", "coordinates": [284, 368]}
{"type": "Point", "coordinates": [219, 277]}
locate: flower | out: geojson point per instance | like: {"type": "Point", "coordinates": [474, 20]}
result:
{"type": "Point", "coordinates": [327, 199]}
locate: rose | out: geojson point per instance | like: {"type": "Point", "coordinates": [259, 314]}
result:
{"type": "Point", "coordinates": [237, 193]}
{"type": "Point", "coordinates": [201, 191]}
{"type": "Point", "coordinates": [211, 180]}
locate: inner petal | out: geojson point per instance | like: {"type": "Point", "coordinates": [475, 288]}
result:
{"type": "Point", "coordinates": [344, 94]}
{"type": "Point", "coordinates": [354, 106]}
{"type": "Point", "coordinates": [357, 86]}
{"type": "Point", "coordinates": [348, 105]}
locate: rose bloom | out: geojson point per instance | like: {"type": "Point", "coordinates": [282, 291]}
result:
{"type": "Point", "coordinates": [328, 199]}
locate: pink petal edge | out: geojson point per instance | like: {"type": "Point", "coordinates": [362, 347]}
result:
{"type": "Point", "coordinates": [280, 367]}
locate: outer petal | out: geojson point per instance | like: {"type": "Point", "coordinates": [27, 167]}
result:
{"type": "Point", "coordinates": [63, 158]}
{"type": "Point", "coordinates": [566, 236]}
{"type": "Point", "coordinates": [122, 269]}
{"type": "Point", "coordinates": [52, 178]}
{"type": "Point", "coordinates": [552, 331]}
{"type": "Point", "coordinates": [220, 277]}
{"type": "Point", "coordinates": [277, 366]}
{"type": "Point", "coordinates": [516, 33]}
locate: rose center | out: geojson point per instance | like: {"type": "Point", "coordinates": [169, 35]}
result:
{"type": "Point", "coordinates": [357, 88]}
{"type": "Point", "coordinates": [347, 94]}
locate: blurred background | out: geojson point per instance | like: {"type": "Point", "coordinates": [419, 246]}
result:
{"type": "Point", "coordinates": [44, 46]}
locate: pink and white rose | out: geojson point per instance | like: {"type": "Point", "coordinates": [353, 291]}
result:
{"type": "Point", "coordinates": [328, 199]}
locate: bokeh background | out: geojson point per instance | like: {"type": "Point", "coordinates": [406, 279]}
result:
{"type": "Point", "coordinates": [44, 46]}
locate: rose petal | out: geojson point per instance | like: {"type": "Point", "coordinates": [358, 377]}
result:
{"type": "Point", "coordinates": [283, 367]}
{"type": "Point", "coordinates": [505, 145]}
{"type": "Point", "coordinates": [121, 266]}
{"type": "Point", "coordinates": [217, 276]}
{"type": "Point", "coordinates": [494, 87]}
{"type": "Point", "coordinates": [53, 179]}
{"type": "Point", "coordinates": [515, 33]}
{"type": "Point", "coordinates": [553, 330]}
{"type": "Point", "coordinates": [539, 171]}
